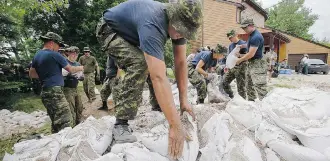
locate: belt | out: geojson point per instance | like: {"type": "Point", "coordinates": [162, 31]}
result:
{"type": "Point", "coordinates": [48, 88]}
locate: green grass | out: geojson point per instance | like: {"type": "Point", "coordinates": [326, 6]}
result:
{"type": "Point", "coordinates": [26, 102]}
{"type": "Point", "coordinates": [170, 73]}
{"type": "Point", "coordinates": [8, 144]}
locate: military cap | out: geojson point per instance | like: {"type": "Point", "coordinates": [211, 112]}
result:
{"type": "Point", "coordinates": [220, 49]}
{"type": "Point", "coordinates": [87, 49]}
{"type": "Point", "coordinates": [231, 33]}
{"type": "Point", "coordinates": [53, 37]}
{"type": "Point", "coordinates": [186, 17]}
{"type": "Point", "coordinates": [246, 23]}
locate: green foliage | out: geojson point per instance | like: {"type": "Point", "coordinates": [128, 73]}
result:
{"type": "Point", "coordinates": [169, 56]}
{"type": "Point", "coordinates": [26, 102]}
{"type": "Point", "coordinates": [291, 16]}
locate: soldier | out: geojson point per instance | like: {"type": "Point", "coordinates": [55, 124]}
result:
{"type": "Point", "coordinates": [197, 69]}
{"type": "Point", "coordinates": [90, 65]}
{"type": "Point", "coordinates": [135, 34]}
{"type": "Point", "coordinates": [112, 72]}
{"type": "Point", "coordinates": [47, 65]}
{"type": "Point", "coordinates": [70, 86]}
{"type": "Point", "coordinates": [257, 66]}
{"type": "Point", "coordinates": [239, 71]}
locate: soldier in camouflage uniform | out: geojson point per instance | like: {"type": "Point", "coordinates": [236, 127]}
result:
{"type": "Point", "coordinates": [198, 67]}
{"type": "Point", "coordinates": [112, 72]}
{"type": "Point", "coordinates": [90, 65]}
{"type": "Point", "coordinates": [47, 65]}
{"type": "Point", "coordinates": [257, 66]}
{"type": "Point", "coordinates": [70, 86]}
{"type": "Point", "coordinates": [239, 72]}
{"type": "Point", "coordinates": [134, 33]}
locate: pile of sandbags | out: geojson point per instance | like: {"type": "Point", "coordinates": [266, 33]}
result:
{"type": "Point", "coordinates": [19, 122]}
{"type": "Point", "coordinates": [245, 131]}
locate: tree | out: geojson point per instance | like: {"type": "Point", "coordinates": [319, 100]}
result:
{"type": "Point", "coordinates": [291, 16]}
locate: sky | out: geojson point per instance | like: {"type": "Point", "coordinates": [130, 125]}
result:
{"type": "Point", "coordinates": [321, 28]}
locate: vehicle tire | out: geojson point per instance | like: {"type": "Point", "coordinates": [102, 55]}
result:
{"type": "Point", "coordinates": [326, 73]}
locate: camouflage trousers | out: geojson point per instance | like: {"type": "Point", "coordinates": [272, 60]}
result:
{"type": "Point", "coordinates": [198, 81]}
{"type": "Point", "coordinates": [57, 107]}
{"type": "Point", "coordinates": [76, 106]}
{"type": "Point", "coordinates": [240, 74]}
{"type": "Point", "coordinates": [257, 78]}
{"type": "Point", "coordinates": [107, 88]}
{"type": "Point", "coordinates": [89, 85]}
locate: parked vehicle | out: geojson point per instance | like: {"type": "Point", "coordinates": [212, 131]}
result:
{"type": "Point", "coordinates": [316, 66]}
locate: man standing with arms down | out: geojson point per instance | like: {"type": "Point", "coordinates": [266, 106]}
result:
{"type": "Point", "coordinates": [135, 34]}
{"type": "Point", "coordinates": [47, 65]}
{"type": "Point", "coordinates": [90, 65]}
{"type": "Point", "coordinates": [257, 67]}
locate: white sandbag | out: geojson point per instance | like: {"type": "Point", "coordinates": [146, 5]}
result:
{"type": "Point", "coordinates": [98, 133]}
{"type": "Point", "coordinates": [35, 150]}
{"type": "Point", "coordinates": [292, 152]}
{"type": "Point", "coordinates": [157, 139]}
{"type": "Point", "coordinates": [109, 157]}
{"type": "Point", "coordinates": [142, 154]}
{"type": "Point", "coordinates": [214, 94]}
{"type": "Point", "coordinates": [271, 155]}
{"type": "Point", "coordinates": [64, 72]}
{"type": "Point", "coordinates": [327, 153]}
{"type": "Point", "coordinates": [301, 112]}
{"type": "Point", "coordinates": [242, 150]}
{"type": "Point", "coordinates": [214, 137]}
{"type": "Point", "coordinates": [245, 112]}
{"type": "Point", "coordinates": [232, 58]}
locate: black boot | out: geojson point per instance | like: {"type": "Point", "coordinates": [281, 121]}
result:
{"type": "Point", "coordinates": [200, 101]}
{"type": "Point", "coordinates": [104, 106]}
{"type": "Point", "coordinates": [156, 108]}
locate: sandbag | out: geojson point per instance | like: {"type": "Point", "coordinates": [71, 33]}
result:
{"type": "Point", "coordinates": [214, 137]}
{"type": "Point", "coordinates": [157, 139]}
{"type": "Point", "coordinates": [242, 150]}
{"type": "Point", "coordinates": [301, 112]}
{"type": "Point", "coordinates": [232, 58]}
{"type": "Point", "coordinates": [245, 112]}
{"type": "Point", "coordinates": [35, 150]}
{"type": "Point", "coordinates": [271, 155]}
{"type": "Point", "coordinates": [214, 94]}
{"type": "Point", "coordinates": [292, 152]}
{"type": "Point", "coordinates": [109, 157]}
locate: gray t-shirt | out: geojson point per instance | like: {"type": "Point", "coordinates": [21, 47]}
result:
{"type": "Point", "coordinates": [142, 23]}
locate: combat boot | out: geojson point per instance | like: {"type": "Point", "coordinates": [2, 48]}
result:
{"type": "Point", "coordinates": [156, 108]}
{"type": "Point", "coordinates": [104, 106]}
{"type": "Point", "coordinates": [123, 134]}
{"type": "Point", "coordinates": [200, 101]}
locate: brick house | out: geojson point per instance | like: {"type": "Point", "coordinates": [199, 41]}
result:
{"type": "Point", "coordinates": [221, 16]}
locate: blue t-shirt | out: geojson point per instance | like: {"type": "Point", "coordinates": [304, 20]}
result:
{"type": "Point", "coordinates": [256, 40]}
{"type": "Point", "coordinates": [142, 23]}
{"type": "Point", "coordinates": [206, 57]}
{"type": "Point", "coordinates": [48, 65]}
{"type": "Point", "coordinates": [233, 45]}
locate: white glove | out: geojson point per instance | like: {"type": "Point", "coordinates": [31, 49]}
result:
{"type": "Point", "coordinates": [64, 72]}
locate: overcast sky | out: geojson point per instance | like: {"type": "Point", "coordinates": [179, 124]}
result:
{"type": "Point", "coordinates": [321, 28]}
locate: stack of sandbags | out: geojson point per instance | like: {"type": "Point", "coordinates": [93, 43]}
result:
{"type": "Point", "coordinates": [19, 122]}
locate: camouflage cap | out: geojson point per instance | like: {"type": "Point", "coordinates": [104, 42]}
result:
{"type": "Point", "coordinates": [246, 23]}
{"type": "Point", "coordinates": [231, 34]}
{"type": "Point", "coordinates": [73, 49]}
{"type": "Point", "coordinates": [220, 49]}
{"type": "Point", "coordinates": [54, 37]}
{"type": "Point", "coordinates": [186, 17]}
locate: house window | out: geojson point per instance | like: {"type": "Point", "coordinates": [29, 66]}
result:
{"type": "Point", "coordinates": [238, 15]}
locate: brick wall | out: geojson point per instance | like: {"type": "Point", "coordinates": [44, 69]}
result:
{"type": "Point", "coordinates": [251, 13]}
{"type": "Point", "coordinates": [299, 46]}
{"type": "Point", "coordinates": [219, 18]}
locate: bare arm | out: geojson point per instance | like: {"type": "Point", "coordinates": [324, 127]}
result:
{"type": "Point", "coordinates": [249, 55]}
{"type": "Point", "coordinates": [200, 69]}
{"type": "Point", "coordinates": [162, 89]}
{"type": "Point", "coordinates": [33, 73]}
{"type": "Point", "coordinates": [73, 69]}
